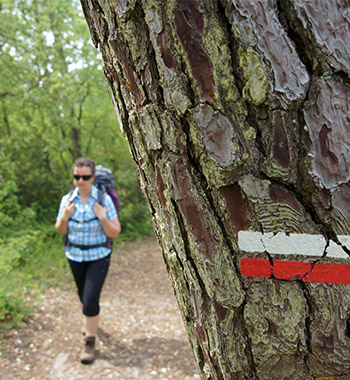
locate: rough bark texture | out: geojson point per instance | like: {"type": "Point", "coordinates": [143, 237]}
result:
{"type": "Point", "coordinates": [237, 114]}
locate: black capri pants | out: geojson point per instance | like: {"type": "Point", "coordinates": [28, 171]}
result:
{"type": "Point", "coordinates": [90, 277]}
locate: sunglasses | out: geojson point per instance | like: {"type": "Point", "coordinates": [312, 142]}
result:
{"type": "Point", "coordinates": [84, 177]}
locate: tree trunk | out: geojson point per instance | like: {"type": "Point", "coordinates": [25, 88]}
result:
{"type": "Point", "coordinates": [237, 114]}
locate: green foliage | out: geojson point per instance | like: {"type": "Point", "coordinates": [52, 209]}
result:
{"type": "Point", "coordinates": [30, 260]}
{"type": "Point", "coordinates": [55, 106]}
{"type": "Point", "coordinates": [134, 214]}
{"type": "Point", "coordinates": [136, 222]}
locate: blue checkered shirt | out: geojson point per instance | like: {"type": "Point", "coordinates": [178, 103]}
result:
{"type": "Point", "coordinates": [89, 232]}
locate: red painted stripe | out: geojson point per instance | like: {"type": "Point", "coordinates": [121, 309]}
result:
{"type": "Point", "coordinates": [294, 270]}
{"type": "Point", "coordinates": [256, 268]}
{"type": "Point", "coordinates": [291, 270]}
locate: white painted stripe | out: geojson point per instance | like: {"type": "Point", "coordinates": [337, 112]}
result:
{"type": "Point", "coordinates": [345, 240]}
{"type": "Point", "coordinates": [291, 244]}
{"type": "Point", "coordinates": [335, 250]}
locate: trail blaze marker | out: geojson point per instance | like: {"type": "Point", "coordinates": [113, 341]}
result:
{"type": "Point", "coordinates": [291, 245]}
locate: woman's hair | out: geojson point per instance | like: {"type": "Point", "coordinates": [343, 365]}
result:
{"type": "Point", "coordinates": [83, 161]}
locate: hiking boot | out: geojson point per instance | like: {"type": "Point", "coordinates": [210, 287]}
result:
{"type": "Point", "coordinates": [89, 352]}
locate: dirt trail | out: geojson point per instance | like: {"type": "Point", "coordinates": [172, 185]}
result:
{"type": "Point", "coordinates": [141, 337]}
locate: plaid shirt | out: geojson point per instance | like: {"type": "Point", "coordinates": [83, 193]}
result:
{"type": "Point", "coordinates": [84, 228]}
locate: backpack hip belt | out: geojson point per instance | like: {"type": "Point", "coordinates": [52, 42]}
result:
{"type": "Point", "coordinates": [106, 244]}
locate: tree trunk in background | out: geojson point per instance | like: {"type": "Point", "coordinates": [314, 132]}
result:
{"type": "Point", "coordinates": [237, 114]}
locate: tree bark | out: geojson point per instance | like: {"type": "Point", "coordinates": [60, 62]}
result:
{"type": "Point", "coordinates": [237, 114]}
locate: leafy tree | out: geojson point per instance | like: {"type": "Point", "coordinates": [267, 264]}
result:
{"type": "Point", "coordinates": [54, 104]}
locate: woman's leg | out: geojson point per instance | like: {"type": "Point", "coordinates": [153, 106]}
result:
{"type": "Point", "coordinates": [79, 272]}
{"type": "Point", "coordinates": [94, 279]}
{"type": "Point", "coordinates": [92, 325]}
{"type": "Point", "coordinates": [90, 277]}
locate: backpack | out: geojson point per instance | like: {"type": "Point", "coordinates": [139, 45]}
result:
{"type": "Point", "coordinates": [104, 181]}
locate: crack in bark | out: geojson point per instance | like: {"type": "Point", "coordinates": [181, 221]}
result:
{"type": "Point", "coordinates": [345, 77]}
{"type": "Point", "coordinates": [299, 44]}
{"type": "Point", "coordinates": [233, 46]}
{"type": "Point", "coordinates": [205, 187]}
{"type": "Point", "coordinates": [324, 254]}
{"type": "Point", "coordinates": [308, 322]}
{"type": "Point", "coordinates": [313, 68]}
{"type": "Point", "coordinates": [124, 115]}
{"type": "Point", "coordinates": [249, 345]}
{"type": "Point", "coordinates": [345, 248]}
{"type": "Point", "coordinates": [237, 74]}
{"type": "Point", "coordinates": [184, 235]}
{"type": "Point", "coordinates": [204, 354]}
{"type": "Point", "coordinates": [151, 60]}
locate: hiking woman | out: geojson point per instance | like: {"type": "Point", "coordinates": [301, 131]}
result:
{"type": "Point", "coordinates": [89, 228]}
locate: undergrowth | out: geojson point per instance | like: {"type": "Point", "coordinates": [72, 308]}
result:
{"type": "Point", "coordinates": [30, 261]}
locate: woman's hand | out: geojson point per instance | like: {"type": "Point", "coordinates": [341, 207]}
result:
{"type": "Point", "coordinates": [111, 227]}
{"type": "Point", "coordinates": [100, 211]}
{"type": "Point", "coordinates": [62, 224]}
{"type": "Point", "coordinates": [68, 211]}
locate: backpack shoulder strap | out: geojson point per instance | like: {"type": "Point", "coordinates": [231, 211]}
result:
{"type": "Point", "coordinates": [70, 192]}
{"type": "Point", "coordinates": [101, 196]}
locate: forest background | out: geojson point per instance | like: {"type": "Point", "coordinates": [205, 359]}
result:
{"type": "Point", "coordinates": [55, 106]}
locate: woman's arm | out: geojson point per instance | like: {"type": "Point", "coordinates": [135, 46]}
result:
{"type": "Point", "coordinates": [112, 227]}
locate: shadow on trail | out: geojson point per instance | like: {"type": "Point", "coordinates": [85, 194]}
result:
{"type": "Point", "coordinates": [156, 352]}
